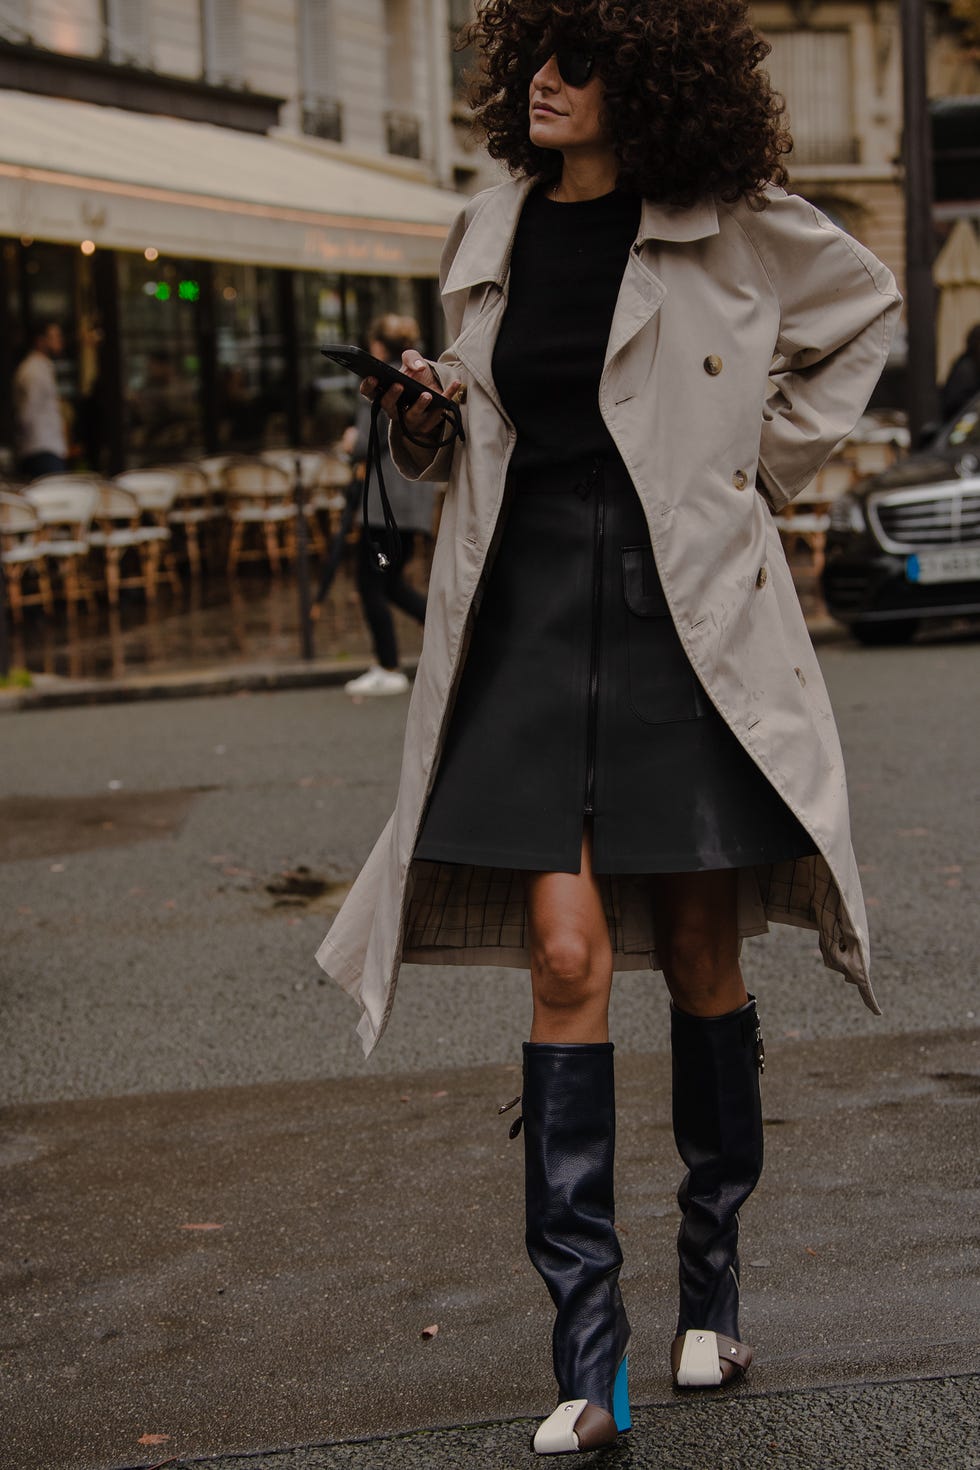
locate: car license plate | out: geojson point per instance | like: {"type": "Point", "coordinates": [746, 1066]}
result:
{"type": "Point", "coordinates": [957, 564]}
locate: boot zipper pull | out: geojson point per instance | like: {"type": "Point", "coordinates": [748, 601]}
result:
{"type": "Point", "coordinates": [515, 1127]}
{"type": "Point", "coordinates": [760, 1048]}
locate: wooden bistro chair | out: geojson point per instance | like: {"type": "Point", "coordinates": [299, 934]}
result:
{"type": "Point", "coordinates": [128, 547]}
{"type": "Point", "coordinates": [23, 556]}
{"type": "Point", "coordinates": [155, 492]}
{"type": "Point", "coordinates": [260, 499]}
{"type": "Point", "coordinates": [311, 463]}
{"type": "Point", "coordinates": [807, 517]}
{"type": "Point", "coordinates": [198, 512]}
{"type": "Point", "coordinates": [65, 505]}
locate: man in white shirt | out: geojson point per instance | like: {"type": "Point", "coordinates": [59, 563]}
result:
{"type": "Point", "coordinates": [42, 441]}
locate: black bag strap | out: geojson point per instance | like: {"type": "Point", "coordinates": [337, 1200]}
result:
{"type": "Point", "coordinates": [388, 555]}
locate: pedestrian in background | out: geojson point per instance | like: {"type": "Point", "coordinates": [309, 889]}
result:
{"type": "Point", "coordinates": [620, 752]}
{"type": "Point", "coordinates": [963, 380]}
{"type": "Point", "coordinates": [413, 507]}
{"type": "Point", "coordinates": [42, 440]}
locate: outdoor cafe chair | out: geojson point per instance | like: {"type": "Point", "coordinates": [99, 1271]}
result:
{"type": "Point", "coordinates": [311, 464]}
{"type": "Point", "coordinates": [260, 498]}
{"type": "Point", "coordinates": [121, 537]}
{"type": "Point", "coordinates": [65, 505]}
{"type": "Point", "coordinates": [155, 492]}
{"type": "Point", "coordinates": [197, 511]}
{"type": "Point", "coordinates": [23, 555]}
{"type": "Point", "coordinates": [807, 517]}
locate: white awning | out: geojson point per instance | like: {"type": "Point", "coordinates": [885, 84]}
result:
{"type": "Point", "coordinates": [73, 171]}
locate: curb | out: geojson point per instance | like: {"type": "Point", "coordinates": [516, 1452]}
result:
{"type": "Point", "coordinates": [52, 692]}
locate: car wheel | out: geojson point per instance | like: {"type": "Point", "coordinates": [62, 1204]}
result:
{"type": "Point", "coordinates": [885, 635]}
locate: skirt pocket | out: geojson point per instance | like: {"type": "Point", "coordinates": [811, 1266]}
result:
{"type": "Point", "coordinates": [663, 687]}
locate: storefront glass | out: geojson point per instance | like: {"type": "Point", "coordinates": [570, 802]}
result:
{"type": "Point", "coordinates": [159, 308]}
{"type": "Point", "coordinates": [252, 383]}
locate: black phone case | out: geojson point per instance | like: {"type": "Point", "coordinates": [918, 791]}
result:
{"type": "Point", "coordinates": [356, 360]}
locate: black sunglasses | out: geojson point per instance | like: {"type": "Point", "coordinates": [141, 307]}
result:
{"type": "Point", "coordinates": [576, 64]}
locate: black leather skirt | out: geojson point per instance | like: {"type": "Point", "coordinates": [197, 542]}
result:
{"type": "Point", "coordinates": [578, 701]}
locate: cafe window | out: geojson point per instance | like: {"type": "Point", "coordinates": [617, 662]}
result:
{"type": "Point", "coordinates": [252, 377]}
{"type": "Point", "coordinates": [159, 309]}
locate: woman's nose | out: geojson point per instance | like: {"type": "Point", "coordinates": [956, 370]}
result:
{"type": "Point", "coordinates": [546, 78]}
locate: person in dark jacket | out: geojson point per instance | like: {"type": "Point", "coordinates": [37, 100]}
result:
{"type": "Point", "coordinates": [964, 376]}
{"type": "Point", "coordinates": [413, 508]}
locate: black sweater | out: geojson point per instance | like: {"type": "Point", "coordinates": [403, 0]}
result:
{"type": "Point", "coordinates": [565, 272]}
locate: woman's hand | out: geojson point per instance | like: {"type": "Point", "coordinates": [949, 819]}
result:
{"type": "Point", "coordinates": [421, 418]}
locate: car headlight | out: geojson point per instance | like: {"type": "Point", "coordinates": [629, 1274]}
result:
{"type": "Point", "coordinates": [847, 514]}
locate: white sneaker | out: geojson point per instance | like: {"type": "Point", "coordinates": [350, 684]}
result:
{"type": "Point", "coordinates": [378, 681]}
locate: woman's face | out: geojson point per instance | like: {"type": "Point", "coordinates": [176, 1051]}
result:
{"type": "Point", "coordinates": [563, 116]}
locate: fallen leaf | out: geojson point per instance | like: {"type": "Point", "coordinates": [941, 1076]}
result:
{"type": "Point", "coordinates": [431, 1331]}
{"type": "Point", "coordinates": [205, 1225]}
{"type": "Point", "coordinates": [404, 1097]}
{"type": "Point", "coordinates": [792, 1035]}
{"type": "Point", "coordinates": [443, 1093]}
{"type": "Point", "coordinates": [153, 1439]}
{"type": "Point", "coordinates": [809, 1250]}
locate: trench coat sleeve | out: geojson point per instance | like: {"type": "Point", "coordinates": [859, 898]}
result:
{"type": "Point", "coordinates": [446, 367]}
{"type": "Point", "coordinates": [838, 308]}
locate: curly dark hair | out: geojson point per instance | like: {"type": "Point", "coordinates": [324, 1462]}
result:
{"type": "Point", "coordinates": [690, 113]}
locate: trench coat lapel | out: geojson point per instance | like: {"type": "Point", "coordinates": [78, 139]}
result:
{"type": "Point", "coordinates": [483, 261]}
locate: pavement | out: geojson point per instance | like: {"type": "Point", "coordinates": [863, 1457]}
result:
{"type": "Point", "coordinates": [223, 1232]}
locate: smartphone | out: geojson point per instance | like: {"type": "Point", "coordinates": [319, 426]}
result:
{"type": "Point", "coordinates": [366, 366]}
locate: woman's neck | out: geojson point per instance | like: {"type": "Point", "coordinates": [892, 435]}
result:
{"type": "Point", "coordinates": [585, 176]}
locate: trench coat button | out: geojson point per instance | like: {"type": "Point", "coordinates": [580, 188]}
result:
{"type": "Point", "coordinates": [712, 365]}
{"type": "Point", "coordinates": [762, 578]}
{"type": "Point", "coordinates": [740, 479]}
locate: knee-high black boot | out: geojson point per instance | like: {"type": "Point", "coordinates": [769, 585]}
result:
{"type": "Point", "coordinates": [718, 1131]}
{"type": "Point", "coordinates": [569, 1139]}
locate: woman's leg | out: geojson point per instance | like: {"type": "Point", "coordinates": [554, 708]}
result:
{"type": "Point", "coordinates": [374, 601]}
{"type": "Point", "coordinates": [571, 957]}
{"type": "Point", "coordinates": [569, 1138]}
{"type": "Point", "coordinates": [717, 1114]}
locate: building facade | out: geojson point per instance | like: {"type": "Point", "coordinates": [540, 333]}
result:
{"type": "Point", "coordinates": [202, 191]}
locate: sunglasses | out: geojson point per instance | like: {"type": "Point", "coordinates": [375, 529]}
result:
{"type": "Point", "coordinates": [576, 64]}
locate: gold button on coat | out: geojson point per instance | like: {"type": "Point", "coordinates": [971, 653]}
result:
{"type": "Point", "coordinates": [762, 578]}
{"type": "Point", "coordinates": [712, 365]}
{"type": "Point", "coordinates": [740, 479]}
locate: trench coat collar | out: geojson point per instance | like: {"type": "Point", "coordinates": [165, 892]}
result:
{"type": "Point", "coordinates": [484, 254]}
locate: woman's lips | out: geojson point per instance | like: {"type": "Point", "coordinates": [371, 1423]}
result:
{"type": "Point", "coordinates": [543, 107]}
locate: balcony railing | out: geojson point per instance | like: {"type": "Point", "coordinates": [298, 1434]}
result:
{"type": "Point", "coordinates": [404, 134]}
{"type": "Point", "coordinates": [323, 118]}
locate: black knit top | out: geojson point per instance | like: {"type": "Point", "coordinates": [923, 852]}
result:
{"type": "Point", "coordinates": [565, 273]}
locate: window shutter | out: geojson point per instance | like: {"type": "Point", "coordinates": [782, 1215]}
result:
{"type": "Point", "coordinates": [128, 23]}
{"type": "Point", "coordinates": [317, 40]}
{"type": "Point", "coordinates": [15, 20]}
{"type": "Point", "coordinates": [812, 69]}
{"type": "Point", "coordinates": [223, 41]}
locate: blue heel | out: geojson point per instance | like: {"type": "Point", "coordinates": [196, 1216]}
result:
{"type": "Point", "coordinates": [621, 1397]}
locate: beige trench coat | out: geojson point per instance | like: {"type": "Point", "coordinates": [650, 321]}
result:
{"type": "Point", "coordinates": [744, 345]}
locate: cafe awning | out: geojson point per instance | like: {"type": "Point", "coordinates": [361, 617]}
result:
{"type": "Point", "coordinates": [73, 171]}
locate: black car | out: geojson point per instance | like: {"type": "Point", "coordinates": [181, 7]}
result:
{"type": "Point", "coordinates": [904, 545]}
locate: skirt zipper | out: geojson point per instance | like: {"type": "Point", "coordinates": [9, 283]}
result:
{"type": "Point", "coordinates": [600, 519]}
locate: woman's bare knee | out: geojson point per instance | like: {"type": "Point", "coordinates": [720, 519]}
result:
{"type": "Point", "coordinates": [564, 973]}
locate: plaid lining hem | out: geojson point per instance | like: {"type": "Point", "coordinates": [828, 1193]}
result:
{"type": "Point", "coordinates": [454, 909]}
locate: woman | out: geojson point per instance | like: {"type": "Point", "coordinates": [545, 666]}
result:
{"type": "Point", "coordinates": [620, 753]}
{"type": "Point", "coordinates": [388, 338]}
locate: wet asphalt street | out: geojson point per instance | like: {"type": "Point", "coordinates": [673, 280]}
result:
{"type": "Point", "coordinates": [172, 1059]}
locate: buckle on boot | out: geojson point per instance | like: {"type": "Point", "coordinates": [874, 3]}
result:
{"type": "Point", "coordinates": [515, 1127]}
